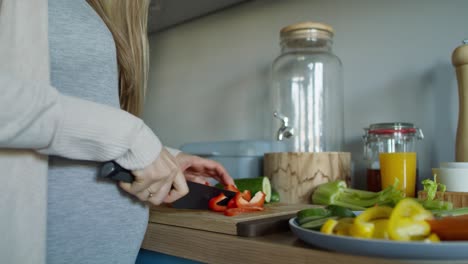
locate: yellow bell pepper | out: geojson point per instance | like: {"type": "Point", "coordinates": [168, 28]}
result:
{"type": "Point", "coordinates": [433, 237]}
{"type": "Point", "coordinates": [363, 226]}
{"type": "Point", "coordinates": [343, 226]}
{"type": "Point", "coordinates": [380, 229]}
{"type": "Point", "coordinates": [337, 227]}
{"type": "Point", "coordinates": [407, 221]}
{"type": "Point", "coordinates": [328, 226]}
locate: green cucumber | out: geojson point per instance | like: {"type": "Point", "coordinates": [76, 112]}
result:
{"type": "Point", "coordinates": [311, 214]}
{"type": "Point", "coordinates": [315, 215]}
{"type": "Point", "coordinates": [316, 211]}
{"type": "Point", "coordinates": [254, 185]}
{"type": "Point", "coordinates": [275, 196]}
{"type": "Point", "coordinates": [340, 211]}
{"type": "Point", "coordinates": [317, 223]}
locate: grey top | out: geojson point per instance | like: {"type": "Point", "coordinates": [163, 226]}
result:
{"type": "Point", "coordinates": [88, 220]}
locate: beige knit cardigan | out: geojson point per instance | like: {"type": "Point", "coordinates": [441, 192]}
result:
{"type": "Point", "coordinates": [36, 121]}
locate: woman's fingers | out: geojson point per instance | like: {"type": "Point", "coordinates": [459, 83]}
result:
{"type": "Point", "coordinates": [223, 175]}
{"type": "Point", "coordinates": [157, 197]}
{"type": "Point", "coordinates": [125, 186]}
{"type": "Point", "coordinates": [140, 183]}
{"type": "Point", "coordinates": [196, 178]}
{"type": "Point", "coordinates": [179, 189]}
{"type": "Point", "coordinates": [154, 182]}
{"type": "Point", "coordinates": [194, 165]}
{"type": "Point", "coordinates": [218, 172]}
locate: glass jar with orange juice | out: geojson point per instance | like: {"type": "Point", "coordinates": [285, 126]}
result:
{"type": "Point", "coordinates": [401, 166]}
{"type": "Point", "coordinates": [389, 153]}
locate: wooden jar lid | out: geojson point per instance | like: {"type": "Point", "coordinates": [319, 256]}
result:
{"type": "Point", "coordinates": [306, 29]}
{"type": "Point", "coordinates": [307, 26]}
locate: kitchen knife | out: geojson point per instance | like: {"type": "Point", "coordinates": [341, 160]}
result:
{"type": "Point", "coordinates": [197, 198]}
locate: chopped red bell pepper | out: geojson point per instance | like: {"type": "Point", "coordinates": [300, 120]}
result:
{"type": "Point", "coordinates": [232, 203]}
{"type": "Point", "coordinates": [246, 195]}
{"type": "Point", "coordinates": [242, 202]}
{"type": "Point", "coordinates": [213, 203]}
{"type": "Point", "coordinates": [236, 211]}
{"type": "Point", "coordinates": [257, 201]}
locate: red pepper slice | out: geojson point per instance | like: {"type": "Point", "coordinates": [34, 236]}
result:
{"type": "Point", "coordinates": [213, 203]}
{"type": "Point", "coordinates": [242, 202]}
{"type": "Point", "coordinates": [236, 211]}
{"type": "Point", "coordinates": [246, 195]}
{"type": "Point", "coordinates": [232, 203]}
{"type": "Point", "coordinates": [257, 201]}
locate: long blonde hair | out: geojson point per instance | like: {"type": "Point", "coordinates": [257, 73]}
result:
{"type": "Point", "coordinates": [127, 20]}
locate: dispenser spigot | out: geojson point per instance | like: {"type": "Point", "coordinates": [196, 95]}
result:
{"type": "Point", "coordinates": [285, 131]}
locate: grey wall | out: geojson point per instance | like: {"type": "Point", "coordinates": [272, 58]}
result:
{"type": "Point", "coordinates": [209, 77]}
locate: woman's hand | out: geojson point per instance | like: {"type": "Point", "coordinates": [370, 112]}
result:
{"type": "Point", "coordinates": [161, 181]}
{"type": "Point", "coordinates": [198, 169]}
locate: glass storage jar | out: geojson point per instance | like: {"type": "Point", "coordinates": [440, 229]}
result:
{"type": "Point", "coordinates": [306, 93]}
{"type": "Point", "coordinates": [386, 137]}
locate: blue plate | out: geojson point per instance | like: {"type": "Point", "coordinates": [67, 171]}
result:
{"type": "Point", "coordinates": [382, 248]}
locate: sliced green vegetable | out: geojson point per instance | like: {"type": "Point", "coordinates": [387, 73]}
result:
{"type": "Point", "coordinates": [310, 214]}
{"type": "Point", "coordinates": [314, 218]}
{"type": "Point", "coordinates": [340, 211]}
{"type": "Point", "coordinates": [436, 204]}
{"type": "Point", "coordinates": [450, 212]}
{"type": "Point", "coordinates": [317, 223]}
{"type": "Point", "coordinates": [316, 211]}
{"type": "Point", "coordinates": [337, 193]}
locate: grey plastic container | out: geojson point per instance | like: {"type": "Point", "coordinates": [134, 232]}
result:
{"type": "Point", "coordinates": [241, 158]}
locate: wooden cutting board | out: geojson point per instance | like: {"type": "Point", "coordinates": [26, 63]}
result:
{"type": "Point", "coordinates": [274, 218]}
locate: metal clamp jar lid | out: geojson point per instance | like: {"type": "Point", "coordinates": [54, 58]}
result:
{"type": "Point", "coordinates": [390, 137]}
{"type": "Point", "coordinates": [394, 130]}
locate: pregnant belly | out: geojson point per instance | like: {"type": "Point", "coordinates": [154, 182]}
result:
{"type": "Point", "coordinates": [90, 216]}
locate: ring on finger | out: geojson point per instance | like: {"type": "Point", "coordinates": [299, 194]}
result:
{"type": "Point", "coordinates": [150, 194]}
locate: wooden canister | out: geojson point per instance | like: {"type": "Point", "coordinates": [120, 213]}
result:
{"type": "Point", "coordinates": [295, 175]}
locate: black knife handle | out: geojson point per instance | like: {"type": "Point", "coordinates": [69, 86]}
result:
{"type": "Point", "coordinates": [114, 171]}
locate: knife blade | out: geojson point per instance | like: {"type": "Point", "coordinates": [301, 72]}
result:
{"type": "Point", "coordinates": [197, 198]}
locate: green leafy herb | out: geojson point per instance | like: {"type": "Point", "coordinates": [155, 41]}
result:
{"type": "Point", "coordinates": [431, 187]}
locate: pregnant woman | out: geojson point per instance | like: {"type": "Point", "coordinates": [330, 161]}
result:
{"type": "Point", "coordinates": [73, 76]}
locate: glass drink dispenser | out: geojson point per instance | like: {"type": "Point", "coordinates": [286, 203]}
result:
{"type": "Point", "coordinates": [306, 95]}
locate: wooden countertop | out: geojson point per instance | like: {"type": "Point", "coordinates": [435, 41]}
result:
{"type": "Point", "coordinates": [211, 247]}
